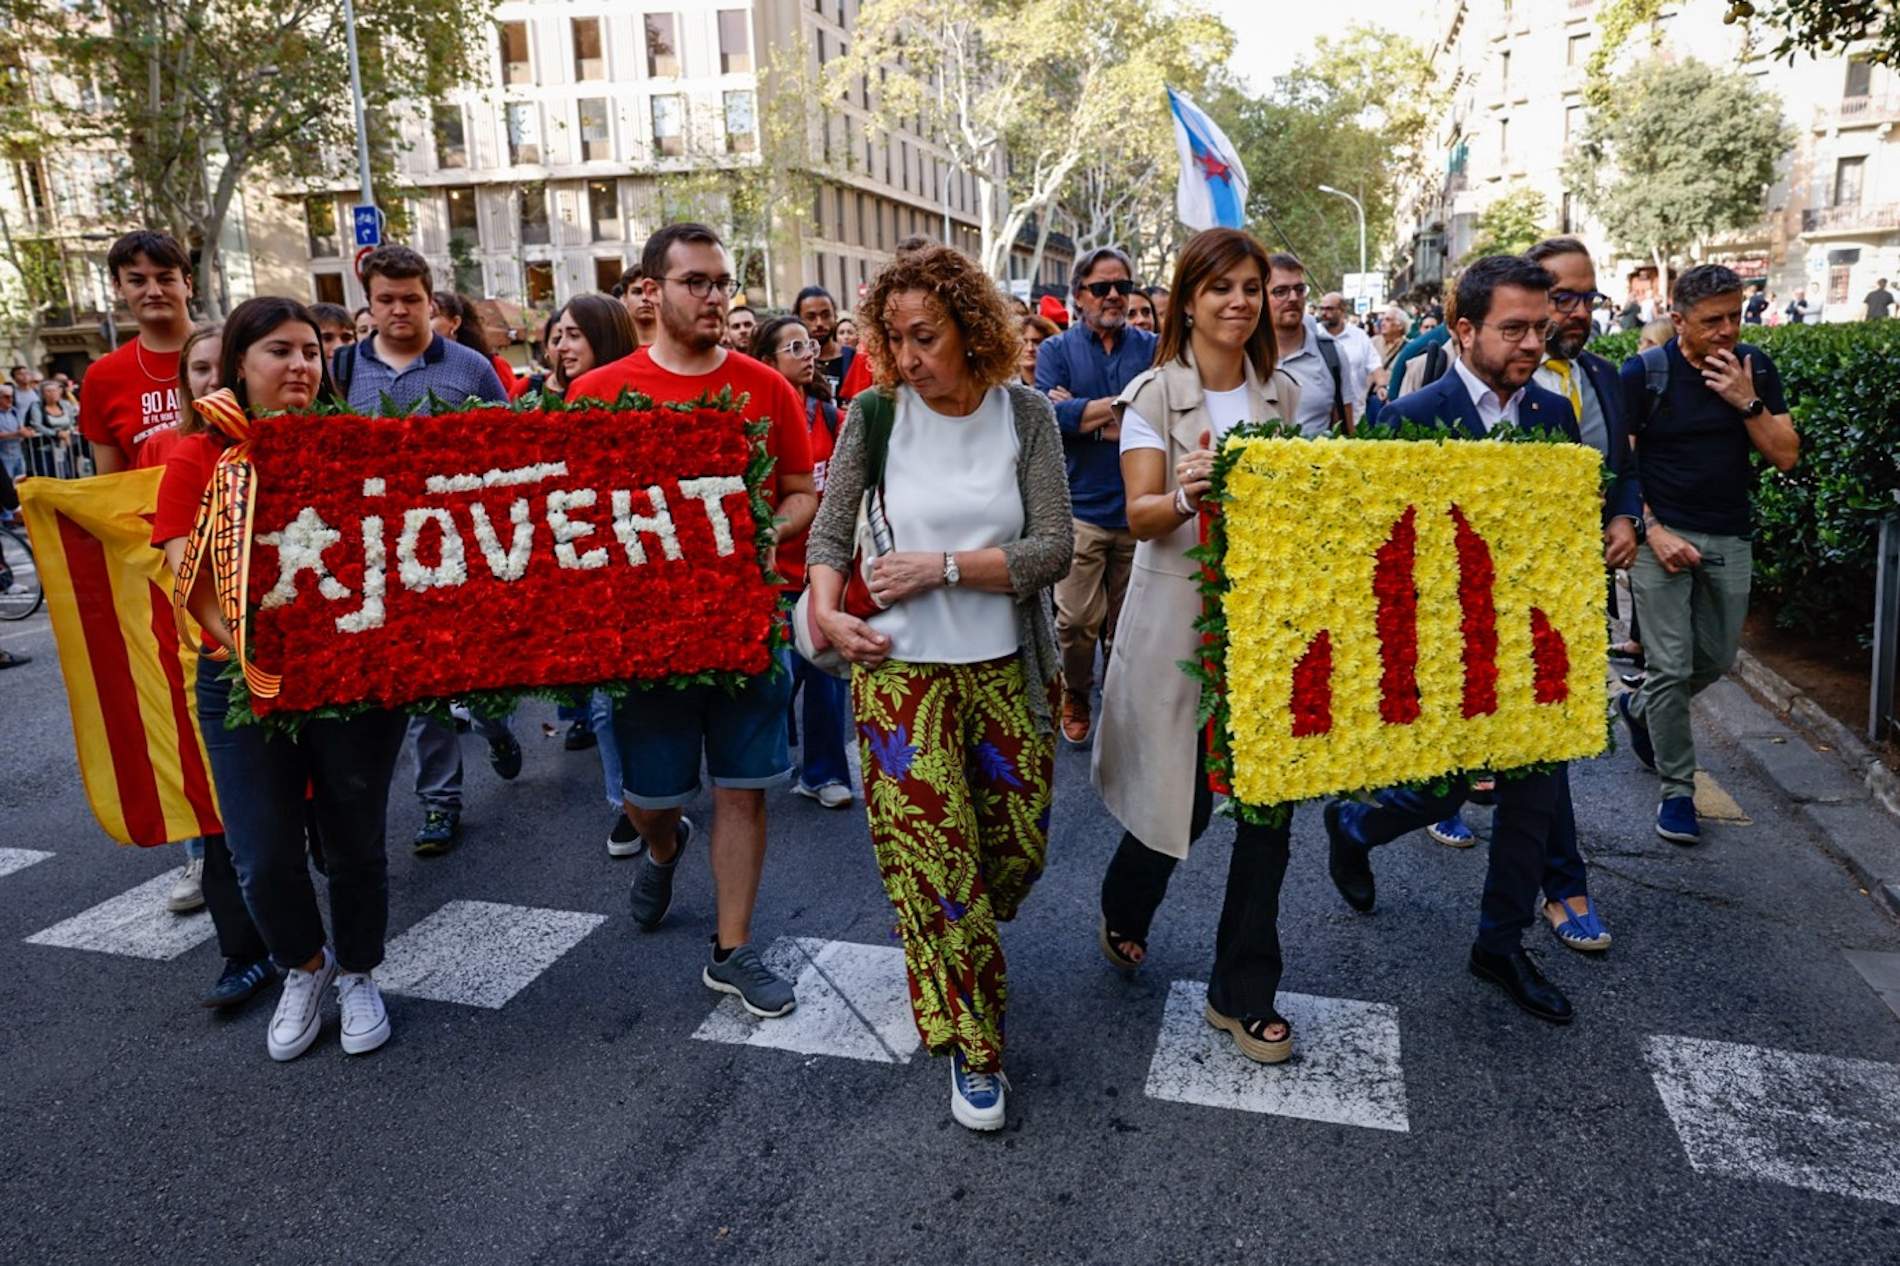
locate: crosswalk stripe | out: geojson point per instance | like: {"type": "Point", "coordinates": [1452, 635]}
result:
{"type": "Point", "coordinates": [853, 1003]}
{"type": "Point", "coordinates": [1345, 1068]}
{"type": "Point", "coordinates": [135, 923]}
{"type": "Point", "coordinates": [12, 859]}
{"type": "Point", "coordinates": [1820, 1122]}
{"type": "Point", "coordinates": [480, 953]}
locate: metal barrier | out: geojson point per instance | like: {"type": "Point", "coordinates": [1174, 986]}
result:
{"type": "Point", "coordinates": [1886, 629]}
{"type": "Point", "coordinates": [66, 455]}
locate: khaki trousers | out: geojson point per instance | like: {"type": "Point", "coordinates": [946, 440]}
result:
{"type": "Point", "coordinates": [1089, 602]}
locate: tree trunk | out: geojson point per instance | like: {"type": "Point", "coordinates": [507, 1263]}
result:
{"type": "Point", "coordinates": [1043, 222]}
{"type": "Point", "coordinates": [993, 254]}
{"type": "Point", "coordinates": [1662, 279]}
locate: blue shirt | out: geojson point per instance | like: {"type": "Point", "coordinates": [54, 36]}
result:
{"type": "Point", "coordinates": [453, 373]}
{"type": "Point", "coordinates": [1077, 361]}
{"type": "Point", "coordinates": [1437, 336]}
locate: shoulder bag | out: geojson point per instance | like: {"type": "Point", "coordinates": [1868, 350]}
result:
{"type": "Point", "coordinates": [871, 541]}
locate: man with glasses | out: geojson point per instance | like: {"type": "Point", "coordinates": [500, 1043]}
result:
{"type": "Point", "coordinates": [1355, 345]}
{"type": "Point", "coordinates": [1083, 370]}
{"type": "Point", "coordinates": [665, 734]}
{"type": "Point", "coordinates": [1331, 379]}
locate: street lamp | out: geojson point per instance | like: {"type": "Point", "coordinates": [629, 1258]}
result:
{"type": "Point", "coordinates": [1362, 220]}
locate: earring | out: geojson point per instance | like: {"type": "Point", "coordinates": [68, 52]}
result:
{"type": "Point", "coordinates": [1190, 320]}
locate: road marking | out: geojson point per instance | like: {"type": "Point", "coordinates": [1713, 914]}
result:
{"type": "Point", "coordinates": [480, 953]}
{"type": "Point", "coordinates": [1345, 1067]}
{"type": "Point", "coordinates": [853, 1003]}
{"type": "Point", "coordinates": [12, 859]}
{"type": "Point", "coordinates": [134, 923]}
{"type": "Point", "coordinates": [1814, 1121]}
{"type": "Point", "coordinates": [1712, 801]}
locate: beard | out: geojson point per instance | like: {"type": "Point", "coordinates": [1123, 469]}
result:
{"type": "Point", "coordinates": [1566, 343]}
{"type": "Point", "coordinates": [683, 328]}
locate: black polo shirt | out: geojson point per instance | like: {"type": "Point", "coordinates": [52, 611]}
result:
{"type": "Point", "coordinates": [1693, 453]}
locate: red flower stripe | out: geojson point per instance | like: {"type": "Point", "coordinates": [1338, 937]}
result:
{"type": "Point", "coordinates": [1476, 578]}
{"type": "Point", "coordinates": [1312, 700]}
{"type": "Point", "coordinates": [1550, 660]}
{"type": "Point", "coordinates": [1396, 591]}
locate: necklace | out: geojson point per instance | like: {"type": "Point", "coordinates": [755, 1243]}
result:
{"type": "Point", "coordinates": [138, 354]}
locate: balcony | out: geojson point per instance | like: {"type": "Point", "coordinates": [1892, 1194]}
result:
{"type": "Point", "coordinates": [1863, 111]}
{"type": "Point", "coordinates": [1842, 221]}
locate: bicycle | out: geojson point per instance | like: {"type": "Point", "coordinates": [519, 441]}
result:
{"type": "Point", "coordinates": [20, 589]}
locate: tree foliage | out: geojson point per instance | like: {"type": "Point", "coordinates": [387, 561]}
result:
{"type": "Point", "coordinates": [1511, 225]}
{"type": "Point", "coordinates": [1825, 27]}
{"type": "Point", "coordinates": [1683, 152]}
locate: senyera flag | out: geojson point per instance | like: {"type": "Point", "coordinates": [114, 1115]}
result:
{"type": "Point", "coordinates": [1213, 188]}
{"type": "Point", "coordinates": [129, 681]}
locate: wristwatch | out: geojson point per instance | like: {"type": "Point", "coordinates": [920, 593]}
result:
{"type": "Point", "coordinates": [951, 576]}
{"type": "Point", "coordinates": [1756, 408]}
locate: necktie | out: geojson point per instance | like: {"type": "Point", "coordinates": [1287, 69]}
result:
{"type": "Point", "coordinates": [1561, 368]}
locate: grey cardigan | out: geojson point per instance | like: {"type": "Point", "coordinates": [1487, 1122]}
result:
{"type": "Point", "coordinates": [1036, 561]}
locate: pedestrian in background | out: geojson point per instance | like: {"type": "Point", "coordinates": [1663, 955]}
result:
{"type": "Point", "coordinates": [1141, 312]}
{"type": "Point", "coordinates": [337, 325]}
{"type": "Point", "coordinates": [454, 317]}
{"type": "Point", "coordinates": [1035, 330]}
{"type": "Point", "coordinates": [954, 679]}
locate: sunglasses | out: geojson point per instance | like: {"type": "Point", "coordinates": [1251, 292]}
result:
{"type": "Point", "coordinates": [798, 347]}
{"type": "Point", "coordinates": [1103, 289]}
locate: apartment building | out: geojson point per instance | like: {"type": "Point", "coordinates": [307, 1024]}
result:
{"type": "Point", "coordinates": [1516, 72]}
{"type": "Point", "coordinates": [601, 120]}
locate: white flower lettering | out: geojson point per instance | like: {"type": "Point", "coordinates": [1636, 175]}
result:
{"type": "Point", "coordinates": [709, 492]}
{"type": "Point", "coordinates": [513, 564]}
{"type": "Point", "coordinates": [449, 571]}
{"type": "Point", "coordinates": [566, 531]}
{"type": "Point", "coordinates": [375, 580]}
{"type": "Point", "coordinates": [300, 549]}
{"type": "Point", "coordinates": [628, 526]}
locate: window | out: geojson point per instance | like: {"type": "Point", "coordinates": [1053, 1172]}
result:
{"type": "Point", "coordinates": [1847, 181]}
{"type": "Point", "coordinates": [540, 276]}
{"type": "Point", "coordinates": [330, 288]}
{"type": "Point", "coordinates": [597, 139]}
{"type": "Point", "coordinates": [838, 224]}
{"type": "Point", "coordinates": [607, 270]}
{"type": "Point", "coordinates": [663, 58]}
{"type": "Point", "coordinates": [590, 59]}
{"type": "Point", "coordinates": [735, 42]}
{"type": "Point", "coordinates": [903, 165]}
{"type": "Point", "coordinates": [451, 136]}
{"type": "Point", "coordinates": [319, 217]}
{"type": "Point", "coordinates": [1860, 78]}
{"type": "Point", "coordinates": [1568, 223]}
{"type": "Point", "coordinates": [603, 208]}
{"type": "Point", "coordinates": [862, 237]}
{"type": "Point", "coordinates": [524, 132]}
{"type": "Point", "coordinates": [465, 224]}
{"type": "Point", "coordinates": [669, 125]}
{"type": "Point", "coordinates": [818, 214]}
{"type": "Point", "coordinates": [1504, 142]}
{"type": "Point", "coordinates": [516, 67]}
{"type": "Point", "coordinates": [1837, 279]}
{"type": "Point", "coordinates": [741, 123]}
{"type": "Point", "coordinates": [1504, 69]}
{"type": "Point", "coordinates": [1573, 122]}
{"type": "Point", "coordinates": [1577, 51]}
{"type": "Point", "coordinates": [534, 215]}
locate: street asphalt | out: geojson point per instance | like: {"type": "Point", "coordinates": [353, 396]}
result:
{"type": "Point", "coordinates": [582, 1121]}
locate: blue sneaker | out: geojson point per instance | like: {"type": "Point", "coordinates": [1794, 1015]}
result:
{"type": "Point", "coordinates": [976, 1099]}
{"type": "Point", "coordinates": [1676, 820]}
{"type": "Point", "coordinates": [1452, 833]}
{"type": "Point", "coordinates": [1639, 733]}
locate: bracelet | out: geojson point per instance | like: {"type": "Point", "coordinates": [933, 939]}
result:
{"type": "Point", "coordinates": [1182, 506]}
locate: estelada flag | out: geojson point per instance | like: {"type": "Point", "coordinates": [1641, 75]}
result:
{"type": "Point", "coordinates": [129, 680]}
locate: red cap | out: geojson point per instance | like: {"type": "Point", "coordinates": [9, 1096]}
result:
{"type": "Point", "coordinates": [1053, 309]}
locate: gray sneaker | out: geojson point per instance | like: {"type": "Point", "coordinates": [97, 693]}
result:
{"type": "Point", "coordinates": [652, 893]}
{"type": "Point", "coordinates": [745, 975]}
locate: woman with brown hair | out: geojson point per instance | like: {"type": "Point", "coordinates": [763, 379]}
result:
{"type": "Point", "coordinates": [954, 673]}
{"type": "Point", "coordinates": [1035, 330]}
{"type": "Point", "coordinates": [1213, 370]}
{"type": "Point", "coordinates": [588, 332]}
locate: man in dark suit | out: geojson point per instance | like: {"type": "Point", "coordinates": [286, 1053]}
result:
{"type": "Point", "coordinates": [1503, 305]}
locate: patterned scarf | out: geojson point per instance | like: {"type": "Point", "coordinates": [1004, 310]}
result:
{"type": "Point", "coordinates": [223, 533]}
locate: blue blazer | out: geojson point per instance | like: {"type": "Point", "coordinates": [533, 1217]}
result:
{"type": "Point", "coordinates": [1624, 497]}
{"type": "Point", "coordinates": [1446, 403]}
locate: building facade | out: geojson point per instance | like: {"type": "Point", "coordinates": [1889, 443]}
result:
{"type": "Point", "coordinates": [601, 121]}
{"type": "Point", "coordinates": [1516, 71]}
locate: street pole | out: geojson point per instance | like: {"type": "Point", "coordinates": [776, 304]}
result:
{"type": "Point", "coordinates": [356, 92]}
{"type": "Point", "coordinates": [1362, 221]}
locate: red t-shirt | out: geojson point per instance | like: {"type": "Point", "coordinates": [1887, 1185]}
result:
{"type": "Point", "coordinates": [857, 379]}
{"type": "Point", "coordinates": [766, 394]}
{"type": "Point", "coordinates": [187, 471]}
{"type": "Point", "coordinates": [791, 554]}
{"type": "Point", "coordinates": [131, 403]}
{"type": "Point", "coordinates": [511, 381]}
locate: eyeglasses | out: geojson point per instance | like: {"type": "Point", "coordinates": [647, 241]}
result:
{"type": "Point", "coordinates": [1102, 289]}
{"type": "Point", "coordinates": [699, 286]}
{"type": "Point", "coordinates": [1515, 331]}
{"type": "Point", "coordinates": [1565, 300]}
{"type": "Point", "coordinates": [798, 347]}
{"type": "Point", "coordinates": [1295, 291]}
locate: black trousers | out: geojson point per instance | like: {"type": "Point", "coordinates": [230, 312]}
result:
{"type": "Point", "coordinates": [238, 937]}
{"type": "Point", "coordinates": [1247, 962]}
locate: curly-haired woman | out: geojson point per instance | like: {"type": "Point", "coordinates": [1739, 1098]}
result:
{"type": "Point", "coordinates": [953, 680]}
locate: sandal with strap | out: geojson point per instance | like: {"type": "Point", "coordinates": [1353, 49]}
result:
{"type": "Point", "coordinates": [1250, 1036]}
{"type": "Point", "coordinates": [1111, 943]}
{"type": "Point", "coordinates": [1579, 931]}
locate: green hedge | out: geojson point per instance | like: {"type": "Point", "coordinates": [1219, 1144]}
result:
{"type": "Point", "coordinates": [1817, 526]}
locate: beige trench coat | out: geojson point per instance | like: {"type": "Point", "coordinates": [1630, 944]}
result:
{"type": "Point", "coordinates": [1146, 746]}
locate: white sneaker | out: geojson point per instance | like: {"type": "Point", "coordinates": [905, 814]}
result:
{"type": "Point", "coordinates": [833, 795]}
{"type": "Point", "coordinates": [365, 1019]}
{"type": "Point", "coordinates": [299, 1015]}
{"type": "Point", "coordinates": [188, 893]}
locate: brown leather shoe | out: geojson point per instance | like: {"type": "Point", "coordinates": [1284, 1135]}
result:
{"type": "Point", "coordinates": [1075, 720]}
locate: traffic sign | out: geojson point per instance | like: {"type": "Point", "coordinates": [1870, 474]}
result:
{"type": "Point", "coordinates": [362, 253]}
{"type": "Point", "coordinates": [369, 224]}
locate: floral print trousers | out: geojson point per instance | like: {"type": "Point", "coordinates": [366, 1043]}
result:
{"type": "Point", "coordinates": [957, 782]}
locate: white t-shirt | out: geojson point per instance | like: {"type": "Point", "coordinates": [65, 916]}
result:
{"type": "Point", "coordinates": [950, 486]}
{"type": "Point", "coordinates": [1228, 409]}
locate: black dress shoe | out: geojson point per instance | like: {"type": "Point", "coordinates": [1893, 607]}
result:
{"type": "Point", "coordinates": [1518, 976]}
{"type": "Point", "coordinates": [580, 737]}
{"type": "Point", "coordinates": [1349, 862]}
{"type": "Point", "coordinates": [239, 983]}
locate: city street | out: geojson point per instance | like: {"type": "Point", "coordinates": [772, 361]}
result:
{"type": "Point", "coordinates": [562, 1088]}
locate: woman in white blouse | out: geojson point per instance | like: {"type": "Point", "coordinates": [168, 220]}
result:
{"type": "Point", "coordinates": [953, 679]}
{"type": "Point", "coordinates": [1214, 369]}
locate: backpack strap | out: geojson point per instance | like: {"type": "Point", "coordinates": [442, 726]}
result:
{"type": "Point", "coordinates": [1329, 352]}
{"type": "Point", "coordinates": [879, 415]}
{"type": "Point", "coordinates": [343, 371]}
{"type": "Point", "coordinates": [1437, 361]}
{"type": "Point", "coordinates": [1655, 381]}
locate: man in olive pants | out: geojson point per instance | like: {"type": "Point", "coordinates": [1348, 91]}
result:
{"type": "Point", "coordinates": [1699, 406]}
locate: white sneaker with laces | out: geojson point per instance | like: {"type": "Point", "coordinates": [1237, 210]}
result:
{"type": "Point", "coordinates": [299, 1015]}
{"type": "Point", "coordinates": [833, 795]}
{"type": "Point", "coordinates": [365, 1019]}
{"type": "Point", "coordinates": [188, 893]}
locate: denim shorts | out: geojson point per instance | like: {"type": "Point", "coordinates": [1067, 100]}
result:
{"type": "Point", "coordinates": [662, 734]}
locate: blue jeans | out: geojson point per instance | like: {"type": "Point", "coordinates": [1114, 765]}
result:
{"type": "Point", "coordinates": [439, 758]}
{"type": "Point", "coordinates": [664, 734]}
{"type": "Point", "coordinates": [827, 716]}
{"type": "Point", "coordinates": [600, 718]}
